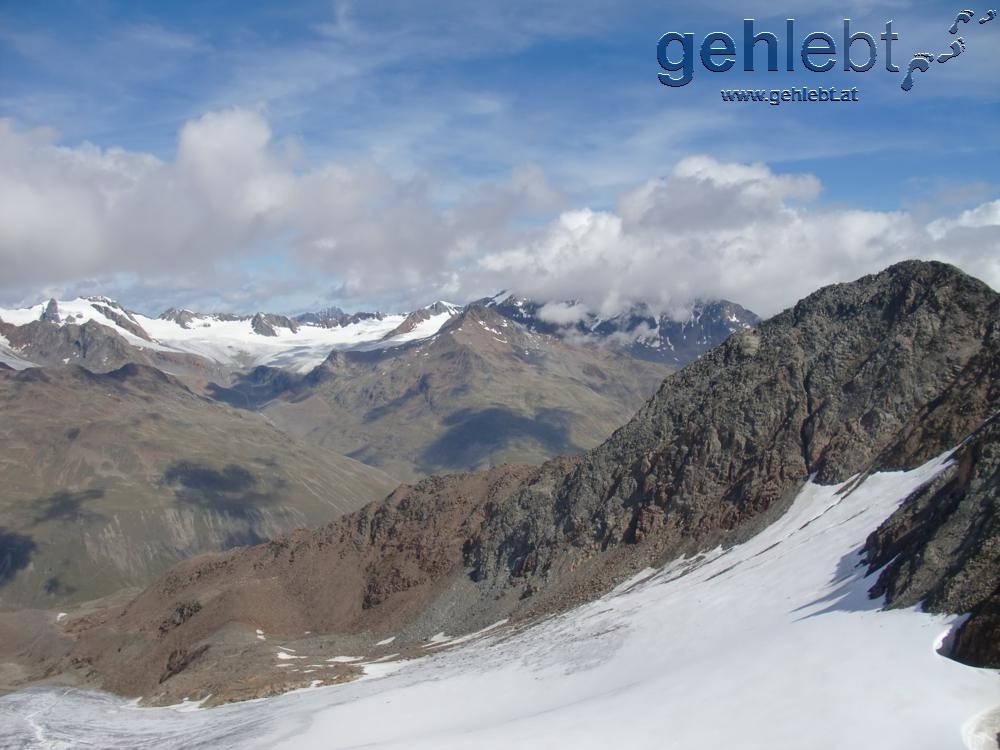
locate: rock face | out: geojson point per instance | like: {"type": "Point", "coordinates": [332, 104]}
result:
{"type": "Point", "coordinates": [266, 323]}
{"type": "Point", "coordinates": [877, 374]}
{"type": "Point", "coordinates": [183, 318]}
{"type": "Point", "coordinates": [97, 347]}
{"type": "Point", "coordinates": [123, 319]}
{"type": "Point", "coordinates": [824, 388]}
{"type": "Point", "coordinates": [942, 547]}
{"type": "Point", "coordinates": [90, 345]}
{"type": "Point", "coordinates": [417, 317]}
{"type": "Point", "coordinates": [51, 312]}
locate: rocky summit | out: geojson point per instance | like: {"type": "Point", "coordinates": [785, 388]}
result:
{"type": "Point", "coordinates": [879, 374]}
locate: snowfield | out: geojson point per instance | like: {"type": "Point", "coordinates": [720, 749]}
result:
{"type": "Point", "coordinates": [769, 645]}
{"type": "Point", "coordinates": [234, 342]}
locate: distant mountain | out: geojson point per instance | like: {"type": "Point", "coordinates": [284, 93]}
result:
{"type": "Point", "coordinates": [881, 374]}
{"type": "Point", "coordinates": [110, 478]}
{"type": "Point", "coordinates": [102, 335]}
{"type": "Point", "coordinates": [442, 388]}
{"type": "Point", "coordinates": [639, 331]}
{"type": "Point", "coordinates": [481, 391]}
{"type": "Point", "coordinates": [334, 317]}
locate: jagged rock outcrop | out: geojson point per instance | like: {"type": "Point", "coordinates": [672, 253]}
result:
{"type": "Point", "coordinates": [334, 317]}
{"type": "Point", "coordinates": [51, 312]}
{"type": "Point", "coordinates": [942, 547]}
{"type": "Point", "coordinates": [183, 318]}
{"type": "Point", "coordinates": [836, 386]}
{"type": "Point", "coordinates": [266, 324]}
{"type": "Point", "coordinates": [417, 317]}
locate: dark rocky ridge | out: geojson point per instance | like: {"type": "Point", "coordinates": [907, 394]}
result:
{"type": "Point", "coordinates": [91, 344]}
{"type": "Point", "coordinates": [824, 388]}
{"type": "Point", "coordinates": [266, 324]}
{"type": "Point", "coordinates": [942, 547]}
{"type": "Point", "coordinates": [123, 320]}
{"type": "Point", "coordinates": [833, 387]}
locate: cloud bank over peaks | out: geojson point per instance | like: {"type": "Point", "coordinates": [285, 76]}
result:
{"type": "Point", "coordinates": [233, 200]}
{"type": "Point", "coordinates": [736, 231]}
{"type": "Point", "coordinates": [244, 218]}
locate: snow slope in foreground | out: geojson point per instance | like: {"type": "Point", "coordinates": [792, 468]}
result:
{"type": "Point", "coordinates": [772, 644]}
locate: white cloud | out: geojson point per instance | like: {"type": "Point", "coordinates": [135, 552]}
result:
{"type": "Point", "coordinates": [561, 313]}
{"type": "Point", "coordinates": [233, 217]}
{"type": "Point", "coordinates": [986, 215]}
{"type": "Point", "coordinates": [233, 197]}
{"type": "Point", "coordinates": [714, 229]}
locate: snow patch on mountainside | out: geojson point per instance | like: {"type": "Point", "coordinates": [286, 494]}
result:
{"type": "Point", "coordinates": [423, 330]}
{"type": "Point", "coordinates": [10, 358]}
{"type": "Point", "coordinates": [772, 644]}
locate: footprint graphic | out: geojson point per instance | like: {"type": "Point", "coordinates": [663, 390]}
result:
{"type": "Point", "coordinates": [957, 48]}
{"type": "Point", "coordinates": [964, 17]}
{"type": "Point", "coordinates": [990, 15]}
{"type": "Point", "coordinates": [922, 62]}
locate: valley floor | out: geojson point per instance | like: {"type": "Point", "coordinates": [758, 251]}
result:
{"type": "Point", "coordinates": [771, 644]}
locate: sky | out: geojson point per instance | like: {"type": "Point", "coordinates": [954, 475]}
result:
{"type": "Point", "coordinates": [239, 156]}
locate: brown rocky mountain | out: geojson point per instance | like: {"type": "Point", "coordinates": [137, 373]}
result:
{"type": "Point", "coordinates": [878, 374]}
{"type": "Point", "coordinates": [482, 392]}
{"type": "Point", "coordinates": [110, 478]}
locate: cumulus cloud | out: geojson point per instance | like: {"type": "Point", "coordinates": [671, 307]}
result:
{"type": "Point", "coordinates": [231, 198]}
{"type": "Point", "coordinates": [235, 211]}
{"type": "Point", "coordinates": [984, 216]}
{"type": "Point", "coordinates": [738, 231]}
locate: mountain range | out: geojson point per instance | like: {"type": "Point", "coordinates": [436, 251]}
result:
{"type": "Point", "coordinates": [442, 388]}
{"type": "Point", "coordinates": [895, 372]}
{"type": "Point", "coordinates": [130, 443]}
{"type": "Point", "coordinates": [101, 334]}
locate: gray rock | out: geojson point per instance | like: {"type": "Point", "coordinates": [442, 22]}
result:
{"type": "Point", "coordinates": [266, 323]}
{"type": "Point", "coordinates": [942, 547]}
{"type": "Point", "coordinates": [51, 312]}
{"type": "Point", "coordinates": [828, 388]}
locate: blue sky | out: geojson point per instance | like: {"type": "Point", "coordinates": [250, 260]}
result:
{"type": "Point", "coordinates": [495, 118]}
